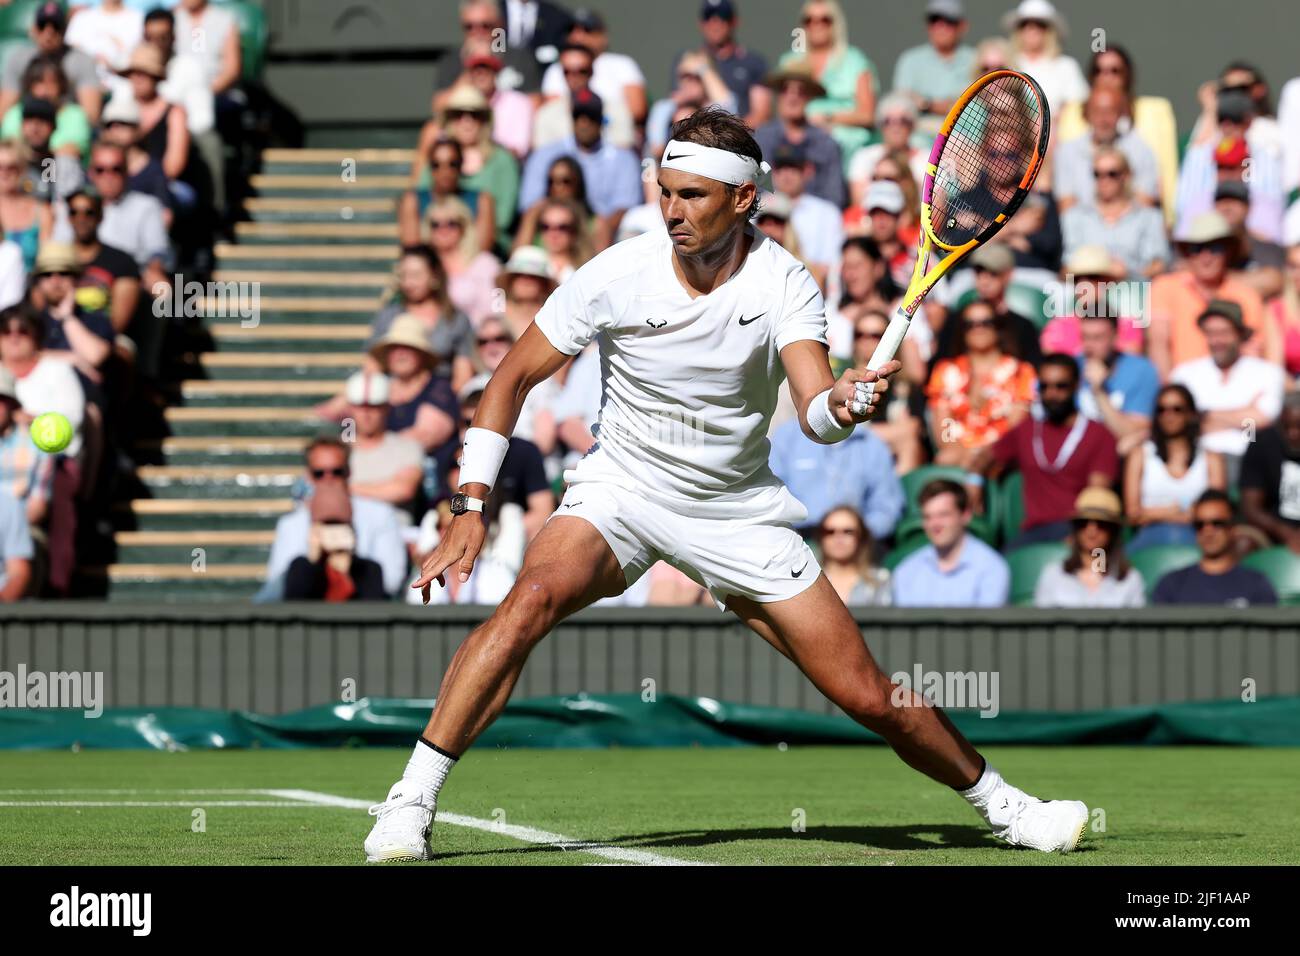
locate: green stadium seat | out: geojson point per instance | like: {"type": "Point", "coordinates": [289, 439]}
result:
{"type": "Point", "coordinates": [918, 478]}
{"type": "Point", "coordinates": [1028, 301]}
{"type": "Point", "coordinates": [901, 551]}
{"type": "Point", "coordinates": [982, 526]}
{"type": "Point", "coordinates": [253, 36]}
{"type": "Point", "coordinates": [1027, 564]}
{"type": "Point", "coordinates": [16, 19]}
{"type": "Point", "coordinates": [1010, 509]}
{"type": "Point", "coordinates": [1282, 568]}
{"type": "Point", "coordinates": [1155, 562]}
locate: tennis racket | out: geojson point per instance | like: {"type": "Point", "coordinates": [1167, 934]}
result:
{"type": "Point", "coordinates": [982, 166]}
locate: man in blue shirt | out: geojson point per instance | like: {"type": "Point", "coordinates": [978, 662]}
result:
{"type": "Point", "coordinates": [742, 70]}
{"type": "Point", "coordinates": [935, 73]}
{"type": "Point", "coordinates": [612, 174]}
{"type": "Point", "coordinates": [858, 472]}
{"type": "Point", "coordinates": [956, 569]}
{"type": "Point", "coordinates": [1217, 578]}
{"type": "Point", "coordinates": [1115, 388]}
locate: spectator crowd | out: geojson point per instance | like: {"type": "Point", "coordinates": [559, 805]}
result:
{"type": "Point", "coordinates": [1098, 408]}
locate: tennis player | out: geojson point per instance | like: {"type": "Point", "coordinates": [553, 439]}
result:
{"type": "Point", "coordinates": [697, 326]}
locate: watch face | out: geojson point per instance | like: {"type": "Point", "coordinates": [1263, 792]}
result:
{"type": "Point", "coordinates": [458, 502]}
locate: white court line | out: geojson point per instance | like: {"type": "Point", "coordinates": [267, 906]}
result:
{"type": "Point", "coordinates": [524, 834]}
{"type": "Point", "coordinates": [205, 804]}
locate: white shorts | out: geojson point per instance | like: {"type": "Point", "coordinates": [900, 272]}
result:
{"type": "Point", "coordinates": [752, 551]}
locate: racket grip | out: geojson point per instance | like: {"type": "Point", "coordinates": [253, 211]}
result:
{"type": "Point", "coordinates": [889, 344]}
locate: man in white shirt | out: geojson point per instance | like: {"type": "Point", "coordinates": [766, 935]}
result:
{"type": "Point", "coordinates": [616, 77]}
{"type": "Point", "coordinates": [1236, 394]}
{"type": "Point", "coordinates": [696, 329]}
{"type": "Point", "coordinates": [106, 33]}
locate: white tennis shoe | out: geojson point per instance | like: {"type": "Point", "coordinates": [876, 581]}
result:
{"type": "Point", "coordinates": [1053, 826]}
{"type": "Point", "coordinates": [402, 830]}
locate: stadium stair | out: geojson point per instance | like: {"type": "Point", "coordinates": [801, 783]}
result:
{"type": "Point", "coordinates": [321, 250]}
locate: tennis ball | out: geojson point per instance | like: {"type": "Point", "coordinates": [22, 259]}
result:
{"type": "Point", "coordinates": [52, 432]}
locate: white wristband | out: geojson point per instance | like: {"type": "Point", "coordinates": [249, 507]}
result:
{"type": "Point", "coordinates": [483, 450]}
{"type": "Point", "coordinates": [822, 421]}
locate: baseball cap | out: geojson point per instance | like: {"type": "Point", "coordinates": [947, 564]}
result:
{"type": "Point", "coordinates": [51, 14]}
{"type": "Point", "coordinates": [367, 388]}
{"type": "Point", "coordinates": [1234, 106]}
{"type": "Point", "coordinates": [1232, 189]}
{"type": "Point", "coordinates": [588, 20]}
{"type": "Point", "coordinates": [586, 103]}
{"type": "Point", "coordinates": [789, 154]}
{"type": "Point", "coordinates": [1090, 261]}
{"type": "Point", "coordinates": [994, 257]}
{"type": "Point", "coordinates": [36, 108]}
{"type": "Point", "coordinates": [722, 9]}
{"type": "Point", "coordinates": [121, 109]}
{"type": "Point", "coordinates": [1225, 309]}
{"type": "Point", "coordinates": [529, 261]}
{"type": "Point", "coordinates": [948, 9]}
{"type": "Point", "coordinates": [1207, 227]}
{"type": "Point", "coordinates": [776, 205]}
{"type": "Point", "coordinates": [884, 195]}
{"type": "Point", "coordinates": [474, 387]}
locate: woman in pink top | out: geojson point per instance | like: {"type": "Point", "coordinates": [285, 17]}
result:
{"type": "Point", "coordinates": [471, 273]}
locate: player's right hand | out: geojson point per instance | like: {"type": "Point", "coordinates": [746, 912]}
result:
{"type": "Point", "coordinates": [459, 546]}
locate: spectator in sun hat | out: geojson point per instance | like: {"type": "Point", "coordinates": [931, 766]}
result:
{"type": "Point", "coordinates": [1037, 30]}
{"type": "Point", "coordinates": [84, 338]}
{"type": "Point", "coordinates": [615, 76]}
{"type": "Point", "coordinates": [512, 110]}
{"type": "Point", "coordinates": [741, 69]}
{"type": "Point", "coordinates": [423, 405]}
{"type": "Point", "coordinates": [1237, 394]}
{"type": "Point", "coordinates": [1227, 156]}
{"type": "Point", "coordinates": [48, 33]}
{"type": "Point", "coordinates": [794, 88]}
{"type": "Point", "coordinates": [384, 466]}
{"type": "Point", "coordinates": [817, 223]}
{"type": "Point", "coordinates": [1096, 572]}
{"type": "Point", "coordinates": [931, 76]}
{"type": "Point", "coordinates": [612, 173]}
{"type": "Point", "coordinates": [1258, 262]}
{"type": "Point", "coordinates": [1092, 285]}
{"type": "Point", "coordinates": [1206, 247]}
{"type": "Point", "coordinates": [527, 281]}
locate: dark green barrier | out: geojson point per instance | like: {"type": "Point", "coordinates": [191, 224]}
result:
{"type": "Point", "coordinates": [624, 720]}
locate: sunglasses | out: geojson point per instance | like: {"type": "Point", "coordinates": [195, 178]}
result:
{"type": "Point", "coordinates": [1046, 386]}
{"type": "Point", "coordinates": [1172, 409]}
{"type": "Point", "coordinates": [78, 212]}
{"type": "Point", "coordinates": [824, 19]}
{"type": "Point", "coordinates": [979, 323]}
{"type": "Point", "coordinates": [471, 25]}
{"type": "Point", "coordinates": [15, 330]}
{"type": "Point", "coordinates": [580, 71]}
{"type": "Point", "coordinates": [556, 227]}
{"type": "Point", "coordinates": [896, 121]}
{"type": "Point", "coordinates": [104, 170]}
{"type": "Point", "coordinates": [832, 532]}
{"type": "Point", "coordinates": [445, 164]}
{"type": "Point", "coordinates": [1200, 524]}
{"type": "Point", "coordinates": [1116, 70]}
{"type": "Point", "coordinates": [446, 224]}
{"type": "Point", "coordinates": [1107, 174]}
{"type": "Point", "coordinates": [495, 340]}
{"type": "Point", "coordinates": [1081, 523]}
{"type": "Point", "coordinates": [59, 272]}
{"type": "Point", "coordinates": [934, 18]}
{"type": "Point", "coordinates": [868, 333]}
{"type": "Point", "coordinates": [319, 473]}
{"type": "Point", "coordinates": [1218, 247]}
{"type": "Point", "coordinates": [454, 115]}
{"type": "Point", "coordinates": [561, 180]}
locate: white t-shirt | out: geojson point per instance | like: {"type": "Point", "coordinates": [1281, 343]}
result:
{"type": "Point", "coordinates": [1249, 380]}
{"type": "Point", "coordinates": [609, 75]}
{"type": "Point", "coordinates": [13, 273]}
{"type": "Point", "coordinates": [52, 386]}
{"type": "Point", "coordinates": [689, 385]}
{"type": "Point", "coordinates": [110, 36]}
{"type": "Point", "coordinates": [819, 227]}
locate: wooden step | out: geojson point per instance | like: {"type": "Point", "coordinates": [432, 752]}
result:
{"type": "Point", "coordinates": [337, 156]}
{"type": "Point", "coordinates": [207, 506]}
{"type": "Point", "coordinates": [227, 444]}
{"type": "Point", "coordinates": [214, 472]}
{"type": "Point", "coordinates": [363, 180]}
{"type": "Point", "coordinates": [293, 204]}
{"type": "Point", "coordinates": [226, 251]}
{"type": "Point", "coordinates": [279, 359]}
{"type": "Point", "coordinates": [378, 278]}
{"type": "Point", "coordinates": [307, 303]}
{"type": "Point", "coordinates": [293, 332]}
{"type": "Point", "coordinates": [179, 572]}
{"type": "Point", "coordinates": [252, 231]}
{"type": "Point", "coordinates": [207, 388]}
{"type": "Point", "coordinates": [252, 414]}
{"type": "Point", "coordinates": [182, 538]}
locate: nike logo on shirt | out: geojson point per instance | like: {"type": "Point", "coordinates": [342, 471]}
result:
{"type": "Point", "coordinates": [795, 574]}
{"type": "Point", "coordinates": [754, 319]}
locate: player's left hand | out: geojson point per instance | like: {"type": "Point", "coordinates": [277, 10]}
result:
{"type": "Point", "coordinates": [847, 399]}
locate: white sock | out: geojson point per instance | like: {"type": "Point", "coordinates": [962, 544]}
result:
{"type": "Point", "coordinates": [991, 796]}
{"type": "Point", "coordinates": [429, 768]}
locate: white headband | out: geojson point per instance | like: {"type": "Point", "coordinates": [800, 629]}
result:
{"type": "Point", "coordinates": [720, 164]}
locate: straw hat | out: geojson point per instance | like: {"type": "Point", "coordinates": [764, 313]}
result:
{"type": "Point", "coordinates": [798, 73]}
{"type": "Point", "coordinates": [1098, 504]}
{"type": "Point", "coordinates": [57, 257]}
{"type": "Point", "coordinates": [147, 59]}
{"type": "Point", "coordinates": [409, 331]}
{"type": "Point", "coordinates": [466, 99]}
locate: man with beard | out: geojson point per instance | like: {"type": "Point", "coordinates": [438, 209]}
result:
{"type": "Point", "coordinates": [1058, 455]}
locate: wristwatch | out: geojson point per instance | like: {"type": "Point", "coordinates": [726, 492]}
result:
{"type": "Point", "coordinates": [460, 503]}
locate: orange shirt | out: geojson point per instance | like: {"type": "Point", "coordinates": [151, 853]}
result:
{"type": "Point", "coordinates": [1178, 301]}
{"type": "Point", "coordinates": [980, 409]}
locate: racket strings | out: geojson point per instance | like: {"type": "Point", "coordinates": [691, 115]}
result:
{"type": "Point", "coordinates": [985, 159]}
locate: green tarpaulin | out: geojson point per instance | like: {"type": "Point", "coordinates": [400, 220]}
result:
{"type": "Point", "coordinates": [625, 720]}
